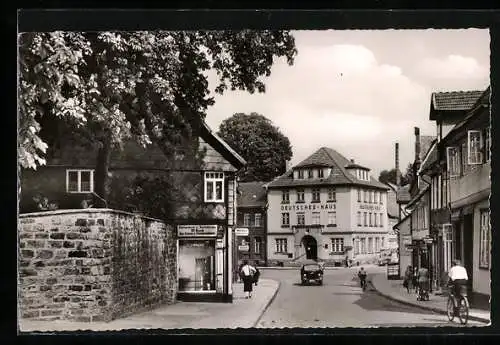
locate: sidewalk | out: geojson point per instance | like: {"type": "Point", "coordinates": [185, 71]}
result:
{"type": "Point", "coordinates": [243, 313]}
{"type": "Point", "coordinates": [394, 290]}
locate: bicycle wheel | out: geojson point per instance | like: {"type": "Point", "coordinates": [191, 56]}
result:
{"type": "Point", "coordinates": [463, 310]}
{"type": "Point", "coordinates": [450, 309]}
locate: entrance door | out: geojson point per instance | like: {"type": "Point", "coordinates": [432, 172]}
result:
{"type": "Point", "coordinates": [468, 248]}
{"type": "Point", "coordinates": [311, 247]}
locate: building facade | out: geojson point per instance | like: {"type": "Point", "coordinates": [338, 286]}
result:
{"type": "Point", "coordinates": [326, 208]}
{"type": "Point", "coordinates": [251, 215]}
{"type": "Point", "coordinates": [204, 206]}
{"type": "Point", "coordinates": [405, 251]}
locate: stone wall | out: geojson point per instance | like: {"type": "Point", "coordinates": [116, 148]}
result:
{"type": "Point", "coordinates": [93, 264]}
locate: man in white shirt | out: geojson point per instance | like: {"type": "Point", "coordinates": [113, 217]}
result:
{"type": "Point", "coordinates": [458, 278]}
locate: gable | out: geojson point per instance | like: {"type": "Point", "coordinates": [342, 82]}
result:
{"type": "Point", "coordinates": [213, 159]}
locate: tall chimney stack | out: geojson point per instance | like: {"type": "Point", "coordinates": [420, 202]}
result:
{"type": "Point", "coordinates": [398, 173]}
{"type": "Point", "coordinates": [417, 145]}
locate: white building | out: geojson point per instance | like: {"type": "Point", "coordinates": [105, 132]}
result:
{"type": "Point", "coordinates": [326, 208]}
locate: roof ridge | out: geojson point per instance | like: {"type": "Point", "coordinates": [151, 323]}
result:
{"type": "Point", "coordinates": [342, 169]}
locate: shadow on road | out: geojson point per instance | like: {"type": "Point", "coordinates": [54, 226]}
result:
{"type": "Point", "coordinates": [310, 284]}
{"type": "Point", "coordinates": [370, 300]}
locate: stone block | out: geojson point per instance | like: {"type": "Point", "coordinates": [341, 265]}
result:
{"type": "Point", "coordinates": [68, 244]}
{"type": "Point", "coordinates": [25, 235]}
{"type": "Point", "coordinates": [55, 244]}
{"type": "Point", "coordinates": [51, 281]}
{"type": "Point", "coordinates": [27, 254]}
{"type": "Point", "coordinates": [91, 222]}
{"type": "Point", "coordinates": [35, 243]}
{"type": "Point", "coordinates": [31, 314]}
{"type": "Point", "coordinates": [77, 254]}
{"type": "Point", "coordinates": [81, 222]}
{"type": "Point", "coordinates": [100, 221]}
{"type": "Point", "coordinates": [39, 264]}
{"type": "Point", "coordinates": [74, 236]}
{"type": "Point", "coordinates": [69, 271]}
{"type": "Point", "coordinates": [26, 272]}
{"type": "Point", "coordinates": [54, 230]}
{"type": "Point", "coordinates": [51, 312]}
{"type": "Point", "coordinates": [76, 287]}
{"type": "Point", "coordinates": [24, 263]}
{"type": "Point", "coordinates": [61, 254]}
{"type": "Point", "coordinates": [57, 236]}
{"type": "Point", "coordinates": [85, 229]}
{"type": "Point", "coordinates": [83, 319]}
{"type": "Point", "coordinates": [22, 245]}
{"type": "Point", "coordinates": [45, 254]}
{"type": "Point", "coordinates": [97, 253]}
{"type": "Point", "coordinates": [42, 235]}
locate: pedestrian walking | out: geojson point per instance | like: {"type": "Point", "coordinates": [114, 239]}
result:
{"type": "Point", "coordinates": [247, 273]}
{"type": "Point", "coordinates": [257, 273]}
{"type": "Point", "coordinates": [414, 279]}
{"type": "Point", "coordinates": [408, 279]}
{"type": "Point", "coordinates": [423, 284]}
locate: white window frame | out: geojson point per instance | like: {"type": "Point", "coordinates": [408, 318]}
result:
{"type": "Point", "coordinates": [246, 219]}
{"type": "Point", "coordinates": [316, 218]}
{"type": "Point", "coordinates": [301, 219]}
{"type": "Point", "coordinates": [381, 220]}
{"type": "Point", "coordinates": [301, 192]}
{"type": "Point", "coordinates": [332, 218]}
{"type": "Point", "coordinates": [281, 245]}
{"type": "Point", "coordinates": [360, 223]}
{"type": "Point", "coordinates": [365, 219]}
{"type": "Point", "coordinates": [474, 151]}
{"type": "Point", "coordinates": [213, 177]}
{"type": "Point", "coordinates": [285, 219]}
{"type": "Point", "coordinates": [257, 216]}
{"type": "Point", "coordinates": [359, 194]}
{"type": "Point", "coordinates": [257, 245]}
{"type": "Point", "coordinates": [484, 239]}
{"type": "Point", "coordinates": [487, 144]}
{"type": "Point", "coordinates": [332, 194]}
{"type": "Point", "coordinates": [363, 245]}
{"type": "Point", "coordinates": [452, 161]}
{"type": "Point", "coordinates": [285, 196]}
{"type": "Point", "coordinates": [301, 174]}
{"type": "Point", "coordinates": [79, 180]}
{"type": "Point", "coordinates": [316, 194]}
{"type": "Point", "coordinates": [338, 244]}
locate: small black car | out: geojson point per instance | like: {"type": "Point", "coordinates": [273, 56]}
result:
{"type": "Point", "coordinates": [311, 272]}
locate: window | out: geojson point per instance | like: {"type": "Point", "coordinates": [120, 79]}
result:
{"type": "Point", "coordinates": [359, 194]}
{"type": "Point", "coordinates": [310, 173]}
{"type": "Point", "coordinates": [377, 244]}
{"type": "Point", "coordinates": [214, 186]}
{"type": "Point", "coordinates": [300, 195]}
{"type": "Point", "coordinates": [246, 219]}
{"type": "Point", "coordinates": [332, 195]}
{"type": "Point", "coordinates": [365, 195]}
{"type": "Point", "coordinates": [376, 198]}
{"type": "Point", "coordinates": [474, 143]}
{"type": "Point", "coordinates": [285, 219]}
{"type": "Point", "coordinates": [453, 161]}
{"type": "Point", "coordinates": [316, 220]}
{"type": "Point", "coordinates": [301, 174]}
{"type": "Point", "coordinates": [380, 198]}
{"type": "Point", "coordinates": [315, 195]}
{"type": "Point", "coordinates": [363, 245]}
{"type": "Point", "coordinates": [337, 245]}
{"type": "Point", "coordinates": [370, 245]}
{"type": "Point", "coordinates": [79, 181]}
{"type": "Point", "coordinates": [371, 197]}
{"type": "Point", "coordinates": [359, 219]}
{"type": "Point", "coordinates": [332, 218]}
{"type": "Point", "coordinates": [370, 215]}
{"type": "Point", "coordinates": [258, 218]}
{"type": "Point", "coordinates": [375, 216]}
{"type": "Point", "coordinates": [320, 173]}
{"type": "Point", "coordinates": [464, 158]}
{"type": "Point", "coordinates": [381, 220]}
{"type": "Point", "coordinates": [484, 240]}
{"type": "Point", "coordinates": [382, 243]}
{"type": "Point", "coordinates": [487, 144]}
{"type": "Point", "coordinates": [355, 244]}
{"type": "Point", "coordinates": [281, 245]}
{"type": "Point", "coordinates": [301, 219]}
{"type": "Point", "coordinates": [365, 219]}
{"type": "Point", "coordinates": [257, 245]}
{"type": "Point", "coordinates": [285, 196]}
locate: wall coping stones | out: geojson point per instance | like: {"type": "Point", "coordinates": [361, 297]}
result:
{"type": "Point", "coordinates": [84, 210]}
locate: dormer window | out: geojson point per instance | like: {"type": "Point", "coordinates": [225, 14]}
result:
{"type": "Point", "coordinates": [301, 174]}
{"type": "Point", "coordinates": [320, 173]}
{"type": "Point", "coordinates": [310, 173]}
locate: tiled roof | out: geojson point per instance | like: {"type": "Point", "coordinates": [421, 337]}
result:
{"type": "Point", "coordinates": [403, 194]}
{"type": "Point", "coordinates": [251, 194]}
{"type": "Point", "coordinates": [425, 145]}
{"type": "Point", "coordinates": [326, 157]}
{"type": "Point", "coordinates": [430, 158]}
{"type": "Point", "coordinates": [455, 100]}
{"type": "Point", "coordinates": [354, 166]}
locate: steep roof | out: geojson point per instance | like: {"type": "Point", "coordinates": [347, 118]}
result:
{"type": "Point", "coordinates": [325, 157]}
{"type": "Point", "coordinates": [455, 101]}
{"type": "Point", "coordinates": [251, 194]}
{"type": "Point", "coordinates": [221, 146]}
{"type": "Point", "coordinates": [425, 145]}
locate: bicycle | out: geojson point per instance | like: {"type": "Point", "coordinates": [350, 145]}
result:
{"type": "Point", "coordinates": [363, 283]}
{"type": "Point", "coordinates": [460, 309]}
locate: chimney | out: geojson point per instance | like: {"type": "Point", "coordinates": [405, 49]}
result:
{"type": "Point", "coordinates": [417, 145]}
{"type": "Point", "coordinates": [398, 173]}
{"type": "Point", "coordinates": [352, 161]}
{"type": "Point", "coordinates": [287, 165]}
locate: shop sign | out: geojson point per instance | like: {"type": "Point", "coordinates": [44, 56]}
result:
{"type": "Point", "coordinates": [241, 231]}
{"type": "Point", "coordinates": [428, 240]}
{"type": "Point", "coordinates": [370, 207]}
{"type": "Point", "coordinates": [196, 230]}
{"type": "Point", "coordinates": [243, 247]}
{"type": "Point", "coordinates": [304, 207]}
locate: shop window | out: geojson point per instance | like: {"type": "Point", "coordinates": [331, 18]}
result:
{"type": "Point", "coordinates": [281, 245]}
{"type": "Point", "coordinates": [316, 195]}
{"type": "Point", "coordinates": [300, 195]}
{"type": "Point", "coordinates": [246, 219]}
{"type": "Point", "coordinates": [332, 195]}
{"type": "Point", "coordinates": [285, 219]}
{"type": "Point", "coordinates": [257, 245]}
{"type": "Point", "coordinates": [80, 181]}
{"type": "Point", "coordinates": [337, 245]}
{"type": "Point", "coordinates": [258, 218]}
{"type": "Point", "coordinates": [214, 187]}
{"type": "Point", "coordinates": [484, 240]}
{"type": "Point", "coordinates": [332, 218]}
{"type": "Point", "coordinates": [301, 219]}
{"type": "Point", "coordinates": [285, 196]}
{"type": "Point", "coordinates": [196, 265]}
{"type": "Point", "coordinates": [316, 220]}
{"type": "Point", "coordinates": [474, 149]}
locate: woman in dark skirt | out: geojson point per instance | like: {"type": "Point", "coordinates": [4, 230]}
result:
{"type": "Point", "coordinates": [247, 273]}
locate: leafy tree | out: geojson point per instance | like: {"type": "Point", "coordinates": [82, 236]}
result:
{"type": "Point", "coordinates": [109, 87]}
{"type": "Point", "coordinates": [389, 176]}
{"type": "Point", "coordinates": [260, 143]}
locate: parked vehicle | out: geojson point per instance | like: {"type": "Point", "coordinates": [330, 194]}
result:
{"type": "Point", "coordinates": [311, 272]}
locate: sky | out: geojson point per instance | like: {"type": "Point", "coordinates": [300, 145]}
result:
{"type": "Point", "coordinates": [361, 91]}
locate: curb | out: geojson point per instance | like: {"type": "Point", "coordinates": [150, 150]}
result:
{"type": "Point", "coordinates": [433, 309]}
{"type": "Point", "coordinates": [267, 305]}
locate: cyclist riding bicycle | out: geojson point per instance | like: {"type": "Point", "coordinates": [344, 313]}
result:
{"type": "Point", "coordinates": [362, 276]}
{"type": "Point", "coordinates": [457, 278]}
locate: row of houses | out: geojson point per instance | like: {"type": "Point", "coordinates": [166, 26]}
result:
{"type": "Point", "coordinates": [447, 205]}
{"type": "Point", "coordinates": [325, 208]}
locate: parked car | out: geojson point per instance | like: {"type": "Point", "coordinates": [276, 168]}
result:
{"type": "Point", "coordinates": [311, 272]}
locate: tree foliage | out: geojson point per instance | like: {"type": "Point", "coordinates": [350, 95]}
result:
{"type": "Point", "coordinates": [109, 87]}
{"type": "Point", "coordinates": [389, 176]}
{"type": "Point", "coordinates": [260, 143]}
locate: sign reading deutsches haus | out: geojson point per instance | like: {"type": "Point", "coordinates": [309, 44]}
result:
{"type": "Point", "coordinates": [303, 207]}
{"type": "Point", "coordinates": [197, 230]}
{"type": "Point", "coordinates": [370, 207]}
